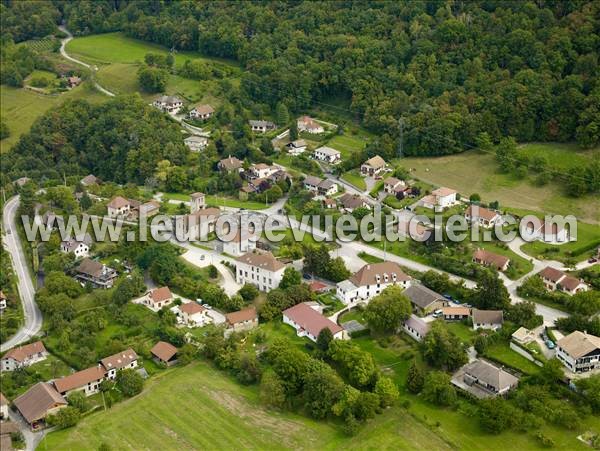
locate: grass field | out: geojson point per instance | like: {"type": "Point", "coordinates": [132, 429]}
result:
{"type": "Point", "coordinates": [507, 356]}
{"type": "Point", "coordinates": [354, 178]}
{"type": "Point", "coordinates": [347, 144]}
{"type": "Point", "coordinates": [197, 407]}
{"type": "Point", "coordinates": [477, 172]}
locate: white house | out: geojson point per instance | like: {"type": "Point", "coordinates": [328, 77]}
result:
{"type": "Point", "coordinates": [309, 125]}
{"type": "Point", "coordinates": [242, 243]}
{"type": "Point", "coordinates": [3, 300]}
{"type": "Point", "coordinates": [487, 319]}
{"type": "Point", "coordinates": [127, 359]}
{"type": "Point", "coordinates": [88, 381]}
{"type": "Point", "coordinates": [373, 166]}
{"type": "Point", "coordinates": [158, 298]}
{"type": "Point", "coordinates": [484, 217]}
{"type": "Point", "coordinates": [262, 170]}
{"type": "Point", "coordinates": [371, 280]}
{"type": "Point", "coordinates": [169, 104]}
{"type": "Point", "coordinates": [579, 352]}
{"type": "Point", "coordinates": [261, 269]}
{"type": "Point", "coordinates": [262, 126]}
{"type": "Point", "coordinates": [555, 279]}
{"type": "Point", "coordinates": [391, 184]}
{"type": "Point", "coordinates": [81, 248]}
{"type": "Point", "coordinates": [440, 198]}
{"type": "Point", "coordinates": [327, 155]}
{"type": "Point", "coordinates": [199, 224]}
{"type": "Point", "coordinates": [194, 315]}
{"type": "Point", "coordinates": [308, 322]}
{"type": "Point", "coordinates": [22, 356]}
{"type": "Point", "coordinates": [416, 327]}
{"type": "Point", "coordinates": [327, 188]}
{"type": "Point", "coordinates": [196, 143]}
{"type": "Point", "coordinates": [118, 206]}
{"type": "Point", "coordinates": [201, 112]}
{"type": "Point", "coordinates": [296, 147]}
{"type": "Point", "coordinates": [311, 183]}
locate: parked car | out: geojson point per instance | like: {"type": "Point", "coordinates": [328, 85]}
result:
{"type": "Point", "coordinates": [550, 344]}
{"type": "Point", "coordinates": [306, 276]}
{"type": "Point", "coordinates": [592, 260]}
{"type": "Point", "coordinates": [447, 296]}
{"type": "Point", "coordinates": [438, 313]}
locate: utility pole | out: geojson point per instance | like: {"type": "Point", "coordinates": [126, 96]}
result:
{"type": "Point", "coordinates": [401, 138]}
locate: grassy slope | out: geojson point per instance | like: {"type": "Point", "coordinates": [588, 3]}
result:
{"type": "Point", "coordinates": [199, 408]}
{"type": "Point", "coordinates": [475, 171]}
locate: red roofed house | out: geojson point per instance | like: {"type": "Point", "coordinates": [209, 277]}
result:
{"type": "Point", "coordinates": [194, 315]}
{"type": "Point", "coordinates": [165, 353]}
{"type": "Point", "coordinates": [309, 125]}
{"type": "Point", "coordinates": [487, 258]}
{"type": "Point", "coordinates": [120, 361]}
{"type": "Point", "coordinates": [202, 112]}
{"type": "Point", "coordinates": [555, 279]}
{"type": "Point", "coordinates": [23, 356]}
{"type": "Point", "coordinates": [318, 287]}
{"type": "Point", "coordinates": [242, 320]}
{"type": "Point", "coordinates": [158, 298]}
{"type": "Point", "coordinates": [38, 402]}
{"type": "Point", "coordinates": [309, 323]}
{"type": "Point", "coordinates": [87, 381]}
{"type": "Point", "coordinates": [118, 206]}
{"type": "Point", "coordinates": [484, 217]}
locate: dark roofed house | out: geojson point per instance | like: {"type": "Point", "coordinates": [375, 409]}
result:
{"type": "Point", "coordinates": [165, 353]}
{"type": "Point", "coordinates": [95, 273]}
{"type": "Point", "coordinates": [230, 164]}
{"type": "Point", "coordinates": [486, 380]}
{"type": "Point", "coordinates": [555, 279]}
{"type": "Point", "coordinates": [38, 402]}
{"type": "Point", "coordinates": [487, 319]}
{"type": "Point", "coordinates": [261, 126]}
{"type": "Point", "coordinates": [351, 202]}
{"type": "Point", "coordinates": [423, 299]}
{"type": "Point", "coordinates": [309, 323]}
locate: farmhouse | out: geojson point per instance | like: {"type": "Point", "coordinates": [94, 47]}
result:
{"type": "Point", "coordinates": [296, 147]}
{"type": "Point", "coordinates": [38, 402]}
{"type": "Point", "coordinates": [487, 258]}
{"type": "Point", "coordinates": [309, 323]}
{"type": "Point", "coordinates": [242, 320]}
{"type": "Point", "coordinates": [118, 206]}
{"type": "Point", "coordinates": [164, 353]}
{"type": "Point", "coordinates": [488, 378]}
{"type": "Point", "coordinates": [371, 280]}
{"type": "Point", "coordinates": [149, 209]}
{"type": "Point", "coordinates": [89, 180]}
{"type": "Point", "coordinates": [87, 381]}
{"type": "Point", "coordinates": [391, 184]}
{"type": "Point", "coordinates": [312, 183]}
{"type": "Point", "coordinates": [579, 352]}
{"type": "Point", "coordinates": [556, 280]}
{"type": "Point", "coordinates": [262, 126]}
{"type": "Point", "coordinates": [117, 362]}
{"type": "Point", "coordinates": [456, 313]}
{"type": "Point", "coordinates": [373, 166]}
{"type": "Point", "coordinates": [196, 143]}
{"type": "Point", "coordinates": [22, 356]}
{"type": "Point", "coordinates": [169, 104]}
{"type": "Point", "coordinates": [482, 216]}
{"type": "Point", "coordinates": [95, 273]}
{"type": "Point", "coordinates": [309, 125]}
{"type": "Point", "coordinates": [201, 112]}
{"type": "Point", "coordinates": [440, 198]}
{"type": "Point", "coordinates": [194, 315]}
{"type": "Point", "coordinates": [487, 319]}
{"type": "Point", "coordinates": [423, 299]}
{"type": "Point", "coordinates": [230, 164]}
{"type": "Point", "coordinates": [416, 327]}
{"type": "Point", "coordinates": [158, 298]}
{"type": "Point", "coordinates": [327, 155]}
{"type": "Point", "coordinates": [80, 248]}
{"type": "Point", "coordinates": [261, 269]}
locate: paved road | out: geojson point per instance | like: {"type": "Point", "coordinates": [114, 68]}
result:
{"type": "Point", "coordinates": [63, 52]}
{"type": "Point", "coordinates": [33, 316]}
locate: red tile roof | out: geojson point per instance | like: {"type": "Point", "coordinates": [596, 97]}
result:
{"type": "Point", "coordinates": [79, 379]}
{"type": "Point", "coordinates": [163, 350]}
{"type": "Point", "coordinates": [311, 320]}
{"type": "Point", "coordinates": [24, 352]}
{"type": "Point", "coordinates": [160, 294]}
{"type": "Point", "coordinates": [247, 314]}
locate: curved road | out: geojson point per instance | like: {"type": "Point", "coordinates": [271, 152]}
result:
{"type": "Point", "coordinates": [33, 316]}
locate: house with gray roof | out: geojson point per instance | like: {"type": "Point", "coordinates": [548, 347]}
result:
{"type": "Point", "coordinates": [487, 319]}
{"type": "Point", "coordinates": [484, 380]}
{"type": "Point", "coordinates": [416, 327]}
{"type": "Point", "coordinates": [423, 299]}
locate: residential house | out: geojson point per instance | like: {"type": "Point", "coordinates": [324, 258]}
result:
{"type": "Point", "coordinates": [89, 180]}
{"type": "Point", "coordinates": [95, 273]}
{"type": "Point", "coordinates": [391, 184]}
{"type": "Point", "coordinates": [327, 155]}
{"type": "Point", "coordinates": [440, 198]}
{"type": "Point", "coordinates": [424, 300]}
{"type": "Point", "coordinates": [456, 313]}
{"type": "Point", "coordinates": [373, 166]}
{"type": "Point", "coordinates": [169, 104]}
{"type": "Point", "coordinates": [202, 112]}
{"type": "Point", "coordinates": [262, 170]}
{"type": "Point", "coordinates": [87, 381]}
{"type": "Point", "coordinates": [487, 319]}
{"type": "Point", "coordinates": [308, 322]}
{"type": "Point", "coordinates": [262, 126]}
{"type": "Point", "coordinates": [327, 188]}
{"type": "Point", "coordinates": [579, 352]}
{"type": "Point", "coordinates": [261, 269]}
{"type": "Point", "coordinates": [296, 147]}
{"type": "Point", "coordinates": [242, 320]}
{"type": "Point", "coordinates": [351, 202]}
{"type": "Point", "coordinates": [242, 243]}
{"type": "Point", "coordinates": [556, 280]}
{"type": "Point", "coordinates": [73, 81]}
{"type": "Point", "coordinates": [416, 327]}
{"type": "Point", "coordinates": [194, 315]}
{"type": "Point", "coordinates": [489, 378]}
{"type": "Point", "coordinates": [199, 224]}
{"type": "Point", "coordinates": [371, 280]}
{"type": "Point", "coordinates": [51, 221]}
{"type": "Point", "coordinates": [118, 206]}
{"type": "Point", "coordinates": [309, 125]}
{"type": "Point", "coordinates": [318, 287]}
{"type": "Point", "coordinates": [311, 183]}
{"type": "Point", "coordinates": [196, 143]}
{"type": "Point", "coordinates": [158, 298]}
{"type": "Point", "coordinates": [81, 248]}
{"type": "Point", "coordinates": [164, 353]}
{"type": "Point", "coordinates": [329, 203]}
{"type": "Point", "coordinates": [482, 216]}
{"type": "Point", "coordinates": [38, 402]}
{"type": "Point", "coordinates": [523, 336]}
{"type": "Point", "coordinates": [230, 164]}
{"type": "Point", "coordinates": [149, 209]}
{"type": "Point", "coordinates": [487, 258]}
{"type": "Point", "coordinates": [23, 356]}
{"type": "Point", "coordinates": [3, 300]}
{"type": "Point", "coordinates": [3, 407]}
{"type": "Point", "coordinates": [124, 360]}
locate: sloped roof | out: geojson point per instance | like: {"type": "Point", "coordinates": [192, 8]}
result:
{"type": "Point", "coordinates": [443, 191]}
{"type": "Point", "coordinates": [311, 320]}
{"type": "Point", "coordinates": [204, 109]}
{"type": "Point", "coordinates": [422, 296]}
{"type": "Point", "coordinates": [230, 163]}
{"type": "Point", "coordinates": [160, 294]}
{"type": "Point", "coordinates": [79, 379]}
{"type": "Point", "coordinates": [375, 162]}
{"type": "Point", "coordinates": [480, 212]}
{"type": "Point", "coordinates": [90, 267]}
{"type": "Point", "coordinates": [552, 274]}
{"type": "Point", "coordinates": [247, 314]}
{"type": "Point", "coordinates": [119, 360]}
{"type": "Point", "coordinates": [578, 344]}
{"type": "Point", "coordinates": [487, 316]}
{"type": "Point", "coordinates": [22, 353]}
{"type": "Point", "coordinates": [328, 151]}
{"type": "Point", "coordinates": [264, 260]}
{"type": "Point", "coordinates": [570, 283]}
{"type": "Point", "coordinates": [191, 308]}
{"type": "Point", "coordinates": [35, 402]}
{"type": "Point", "coordinates": [312, 180]}
{"type": "Point", "coordinates": [163, 350]}
{"type": "Point", "coordinates": [373, 273]}
{"type": "Point", "coordinates": [118, 202]}
{"type": "Point", "coordinates": [490, 374]}
{"type": "Point", "coordinates": [490, 258]}
{"type": "Point", "coordinates": [89, 179]}
{"type": "Point", "coordinates": [417, 324]}
{"type": "Point", "coordinates": [456, 311]}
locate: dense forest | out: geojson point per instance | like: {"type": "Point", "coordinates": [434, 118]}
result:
{"type": "Point", "coordinates": [450, 69]}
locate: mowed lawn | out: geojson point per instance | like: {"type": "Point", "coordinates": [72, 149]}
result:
{"type": "Point", "coordinates": [347, 144]}
{"type": "Point", "coordinates": [197, 407]}
{"type": "Point", "coordinates": [477, 172]}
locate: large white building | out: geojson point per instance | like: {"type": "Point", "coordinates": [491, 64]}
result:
{"type": "Point", "coordinates": [328, 155]}
{"type": "Point", "coordinates": [440, 198]}
{"type": "Point", "coordinates": [579, 352]}
{"type": "Point", "coordinates": [371, 280]}
{"type": "Point", "coordinates": [261, 269]}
